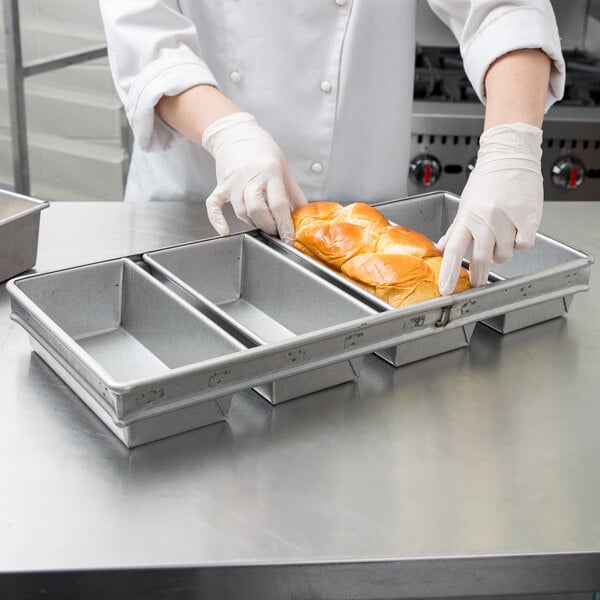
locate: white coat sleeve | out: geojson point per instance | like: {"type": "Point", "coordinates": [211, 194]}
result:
{"type": "Point", "coordinates": [153, 51]}
{"type": "Point", "coordinates": [487, 29]}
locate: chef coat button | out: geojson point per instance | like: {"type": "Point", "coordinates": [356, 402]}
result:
{"type": "Point", "coordinates": [341, 2]}
{"type": "Point", "coordinates": [235, 77]}
{"type": "Point", "coordinates": [326, 87]}
{"type": "Point", "coordinates": [316, 167]}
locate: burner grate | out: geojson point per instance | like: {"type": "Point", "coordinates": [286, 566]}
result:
{"type": "Point", "coordinates": [440, 77]}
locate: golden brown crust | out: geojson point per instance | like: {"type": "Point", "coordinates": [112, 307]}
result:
{"type": "Point", "coordinates": [363, 215]}
{"type": "Point", "coordinates": [398, 279]}
{"type": "Point", "coordinates": [315, 213]}
{"type": "Point", "coordinates": [401, 240]}
{"type": "Point", "coordinates": [334, 243]}
{"type": "Point", "coordinates": [396, 264]}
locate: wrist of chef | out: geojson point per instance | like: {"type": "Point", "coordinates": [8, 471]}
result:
{"type": "Point", "coordinates": [217, 134]}
{"type": "Point", "coordinates": [511, 142]}
{"type": "Point", "coordinates": [192, 111]}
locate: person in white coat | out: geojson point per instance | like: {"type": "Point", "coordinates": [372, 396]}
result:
{"type": "Point", "coordinates": [265, 104]}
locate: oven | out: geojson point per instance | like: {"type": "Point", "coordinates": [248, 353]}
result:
{"type": "Point", "coordinates": [448, 119]}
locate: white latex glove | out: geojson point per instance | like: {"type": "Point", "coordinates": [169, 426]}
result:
{"type": "Point", "coordinates": [253, 175]}
{"type": "Point", "coordinates": [501, 205]}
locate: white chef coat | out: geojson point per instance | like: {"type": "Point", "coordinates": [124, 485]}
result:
{"type": "Point", "coordinates": [331, 80]}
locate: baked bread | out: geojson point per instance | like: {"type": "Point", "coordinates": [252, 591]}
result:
{"type": "Point", "coordinates": [396, 264]}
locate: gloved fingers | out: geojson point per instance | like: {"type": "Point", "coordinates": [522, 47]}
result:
{"type": "Point", "coordinates": [525, 237]}
{"type": "Point", "coordinates": [214, 209]}
{"type": "Point", "coordinates": [505, 243]}
{"type": "Point", "coordinates": [257, 207]}
{"type": "Point", "coordinates": [481, 257]}
{"type": "Point", "coordinates": [236, 197]}
{"type": "Point", "coordinates": [443, 241]}
{"type": "Point", "coordinates": [295, 194]}
{"type": "Point", "coordinates": [455, 248]}
{"type": "Point", "coordinates": [278, 202]}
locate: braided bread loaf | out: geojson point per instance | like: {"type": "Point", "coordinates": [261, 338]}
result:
{"type": "Point", "coordinates": [396, 264]}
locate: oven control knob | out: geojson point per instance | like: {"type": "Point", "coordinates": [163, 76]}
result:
{"type": "Point", "coordinates": [568, 172]}
{"type": "Point", "coordinates": [425, 169]}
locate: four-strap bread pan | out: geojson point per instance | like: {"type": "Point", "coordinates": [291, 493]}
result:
{"type": "Point", "coordinates": [156, 344]}
{"type": "Point", "coordinates": [536, 285]}
{"type": "Point", "coordinates": [261, 297]}
{"type": "Point", "coordinates": [19, 231]}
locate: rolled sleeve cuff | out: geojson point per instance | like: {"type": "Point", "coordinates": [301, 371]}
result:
{"type": "Point", "coordinates": [167, 76]}
{"type": "Point", "coordinates": [519, 28]}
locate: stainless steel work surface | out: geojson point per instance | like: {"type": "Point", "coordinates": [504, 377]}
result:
{"type": "Point", "coordinates": [475, 472]}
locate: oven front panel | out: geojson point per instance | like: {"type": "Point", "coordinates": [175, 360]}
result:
{"type": "Point", "coordinates": [445, 140]}
{"type": "Point", "coordinates": [447, 121]}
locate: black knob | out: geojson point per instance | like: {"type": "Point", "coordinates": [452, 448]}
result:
{"type": "Point", "coordinates": [424, 170]}
{"type": "Point", "coordinates": [568, 172]}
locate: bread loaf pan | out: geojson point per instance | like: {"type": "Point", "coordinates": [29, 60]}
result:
{"type": "Point", "coordinates": [19, 231]}
{"type": "Point", "coordinates": [109, 328]}
{"type": "Point", "coordinates": [262, 298]}
{"type": "Point", "coordinates": [187, 363]}
{"type": "Point", "coordinates": [432, 214]}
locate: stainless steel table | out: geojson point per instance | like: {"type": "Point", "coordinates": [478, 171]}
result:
{"type": "Point", "coordinates": [473, 473]}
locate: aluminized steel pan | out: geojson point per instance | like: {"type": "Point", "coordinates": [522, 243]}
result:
{"type": "Point", "coordinates": [250, 311]}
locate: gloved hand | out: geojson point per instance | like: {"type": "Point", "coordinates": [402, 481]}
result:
{"type": "Point", "coordinates": [253, 175]}
{"type": "Point", "coordinates": [501, 206]}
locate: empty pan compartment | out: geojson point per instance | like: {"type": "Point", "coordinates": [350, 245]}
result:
{"type": "Point", "coordinates": [262, 297]}
{"type": "Point", "coordinates": [114, 323]}
{"type": "Point", "coordinates": [545, 255]}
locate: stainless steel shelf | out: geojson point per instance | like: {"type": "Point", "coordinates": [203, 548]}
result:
{"type": "Point", "coordinates": [17, 72]}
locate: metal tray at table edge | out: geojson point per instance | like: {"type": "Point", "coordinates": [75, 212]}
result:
{"type": "Point", "coordinates": [22, 236]}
